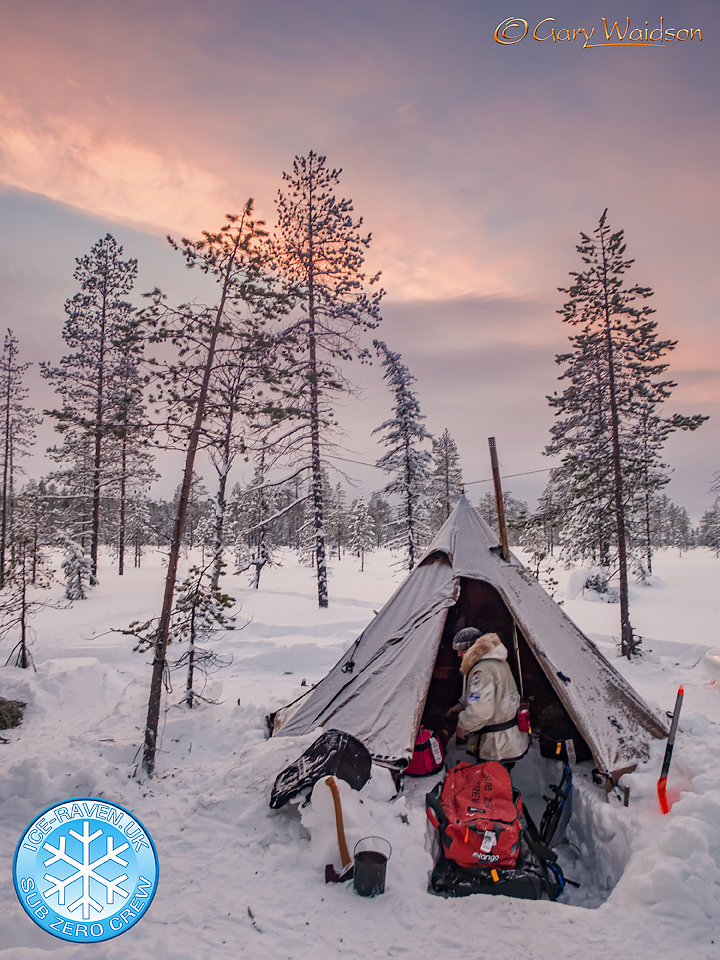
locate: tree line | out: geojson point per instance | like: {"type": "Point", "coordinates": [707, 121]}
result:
{"type": "Point", "coordinates": [254, 376]}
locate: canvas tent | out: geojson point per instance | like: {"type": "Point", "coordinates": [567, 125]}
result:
{"type": "Point", "coordinates": [404, 660]}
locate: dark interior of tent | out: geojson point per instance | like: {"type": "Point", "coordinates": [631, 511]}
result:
{"type": "Point", "coordinates": [480, 605]}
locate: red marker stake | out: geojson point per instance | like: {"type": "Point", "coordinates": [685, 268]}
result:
{"type": "Point", "coordinates": [662, 782]}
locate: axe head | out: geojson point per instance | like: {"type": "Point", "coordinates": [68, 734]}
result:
{"type": "Point", "coordinates": [332, 876]}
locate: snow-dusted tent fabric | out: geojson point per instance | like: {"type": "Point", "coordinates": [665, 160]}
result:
{"type": "Point", "coordinates": [377, 690]}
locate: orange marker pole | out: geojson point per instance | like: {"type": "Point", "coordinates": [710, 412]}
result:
{"type": "Point", "coordinates": [662, 782]}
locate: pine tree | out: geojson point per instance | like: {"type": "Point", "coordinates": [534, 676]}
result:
{"type": "Point", "coordinates": [100, 331]}
{"type": "Point", "coordinates": [249, 393]}
{"type": "Point", "coordinates": [320, 250]}
{"type": "Point", "coordinates": [28, 572]}
{"type": "Point", "coordinates": [200, 612]}
{"type": "Point", "coordinates": [613, 394]}
{"type": "Point", "coordinates": [235, 257]}
{"type": "Point", "coordinates": [17, 434]}
{"type": "Point", "coordinates": [407, 463]}
{"type": "Point", "coordinates": [127, 445]}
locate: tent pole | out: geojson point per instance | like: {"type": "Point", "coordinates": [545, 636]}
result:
{"type": "Point", "coordinates": [517, 659]}
{"type": "Point", "coordinates": [499, 500]}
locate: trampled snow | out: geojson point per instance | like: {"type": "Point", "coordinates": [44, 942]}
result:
{"type": "Point", "coordinates": [238, 879]}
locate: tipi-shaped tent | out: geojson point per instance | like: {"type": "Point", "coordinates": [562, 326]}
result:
{"type": "Point", "coordinates": [403, 660]}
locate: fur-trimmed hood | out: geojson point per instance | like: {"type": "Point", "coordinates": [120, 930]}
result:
{"type": "Point", "coordinates": [488, 645]}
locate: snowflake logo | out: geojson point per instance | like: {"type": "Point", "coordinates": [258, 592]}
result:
{"type": "Point", "coordinates": [85, 871]}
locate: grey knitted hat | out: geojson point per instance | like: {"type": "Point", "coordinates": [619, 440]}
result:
{"type": "Point", "coordinates": [465, 638]}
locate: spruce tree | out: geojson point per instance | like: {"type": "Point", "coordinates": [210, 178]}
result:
{"type": "Point", "coordinates": [516, 514]}
{"type": "Point", "coordinates": [709, 534]}
{"type": "Point", "coordinates": [200, 612]}
{"type": "Point", "coordinates": [197, 509]}
{"type": "Point", "coordinates": [613, 392]}
{"type": "Point", "coordinates": [320, 249]}
{"type": "Point", "coordinates": [77, 567]}
{"type": "Point", "coordinates": [74, 488]}
{"type": "Point", "coordinates": [252, 508]}
{"type": "Point", "coordinates": [381, 513]}
{"type": "Point", "coordinates": [337, 519]}
{"type": "Point", "coordinates": [138, 525]}
{"type": "Point", "coordinates": [405, 460]}
{"type": "Point", "coordinates": [445, 479]}
{"type": "Point", "coordinates": [361, 533]}
{"type": "Point", "coordinates": [100, 330]}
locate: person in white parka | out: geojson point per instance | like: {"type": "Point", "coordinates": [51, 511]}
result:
{"type": "Point", "coordinates": [489, 703]}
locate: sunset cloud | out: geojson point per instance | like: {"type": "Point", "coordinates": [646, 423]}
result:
{"type": "Point", "coordinates": [474, 165]}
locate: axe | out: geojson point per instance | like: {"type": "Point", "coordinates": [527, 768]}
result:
{"type": "Point", "coordinates": [331, 874]}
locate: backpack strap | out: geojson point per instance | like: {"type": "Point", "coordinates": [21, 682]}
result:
{"type": "Point", "coordinates": [434, 808]}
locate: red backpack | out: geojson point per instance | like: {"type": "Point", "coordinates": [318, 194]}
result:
{"type": "Point", "coordinates": [476, 815]}
{"type": "Point", "coordinates": [428, 755]}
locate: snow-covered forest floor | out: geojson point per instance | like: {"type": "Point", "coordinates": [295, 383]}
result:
{"type": "Point", "coordinates": [224, 855]}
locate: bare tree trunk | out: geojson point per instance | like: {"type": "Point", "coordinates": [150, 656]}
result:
{"type": "Point", "coordinates": [121, 533]}
{"type": "Point", "coordinates": [409, 508]}
{"type": "Point", "coordinates": [191, 662]}
{"type": "Point", "coordinates": [6, 468]}
{"type": "Point", "coordinates": [261, 543]}
{"type": "Point", "coordinates": [627, 643]}
{"type": "Point", "coordinates": [23, 617]}
{"type": "Point", "coordinates": [99, 412]}
{"type": "Point", "coordinates": [321, 562]}
{"type": "Point", "coordinates": [221, 503]}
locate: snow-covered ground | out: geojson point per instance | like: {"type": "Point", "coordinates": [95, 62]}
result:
{"type": "Point", "coordinates": [237, 879]}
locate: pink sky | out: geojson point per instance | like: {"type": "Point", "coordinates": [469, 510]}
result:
{"type": "Point", "coordinates": [475, 166]}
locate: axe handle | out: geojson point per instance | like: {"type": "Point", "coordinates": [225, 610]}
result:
{"type": "Point", "coordinates": [342, 842]}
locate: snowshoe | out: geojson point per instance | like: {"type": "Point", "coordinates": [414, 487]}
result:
{"type": "Point", "coordinates": [334, 753]}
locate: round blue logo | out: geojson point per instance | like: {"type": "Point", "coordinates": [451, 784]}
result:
{"type": "Point", "coordinates": [85, 870]}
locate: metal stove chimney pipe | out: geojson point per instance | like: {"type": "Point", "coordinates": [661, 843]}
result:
{"type": "Point", "coordinates": [499, 500]}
